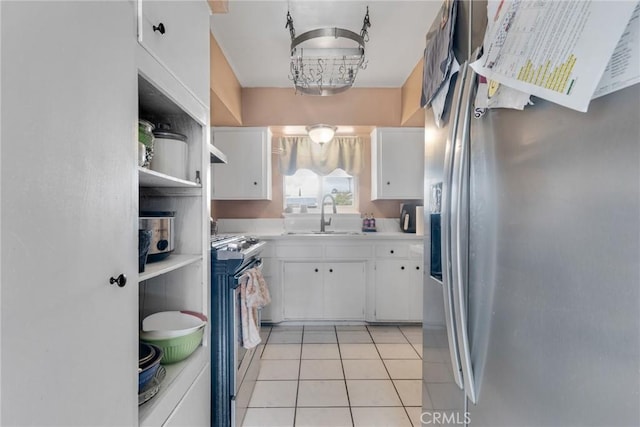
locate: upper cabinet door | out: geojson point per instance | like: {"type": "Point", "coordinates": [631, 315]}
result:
{"type": "Point", "coordinates": [397, 163]}
{"type": "Point", "coordinates": [176, 33]}
{"type": "Point", "coordinates": [247, 173]}
{"type": "Point", "coordinates": [69, 217]}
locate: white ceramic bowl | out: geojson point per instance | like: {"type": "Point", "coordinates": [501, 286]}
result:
{"type": "Point", "coordinates": [171, 324]}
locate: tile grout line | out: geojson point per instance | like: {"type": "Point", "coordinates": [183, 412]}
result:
{"type": "Point", "coordinates": [339, 347]}
{"type": "Point", "coordinates": [422, 365]}
{"type": "Point", "coordinates": [295, 405]}
{"type": "Point", "coordinates": [344, 376]}
{"type": "Point", "coordinates": [389, 373]}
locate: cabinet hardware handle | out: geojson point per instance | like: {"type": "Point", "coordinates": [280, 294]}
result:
{"type": "Point", "coordinates": [316, 270]}
{"type": "Point", "coordinates": [159, 28]}
{"type": "Point", "coordinates": [255, 183]}
{"type": "Point", "coordinates": [402, 268]}
{"type": "Point", "coordinates": [391, 251]}
{"type": "Point", "coordinates": [121, 280]}
{"type": "Point", "coordinates": [417, 267]}
{"type": "Point", "coordinates": [331, 270]}
{"type": "Point", "coordinates": [388, 182]}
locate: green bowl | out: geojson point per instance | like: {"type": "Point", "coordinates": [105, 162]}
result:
{"type": "Point", "coordinates": [178, 348]}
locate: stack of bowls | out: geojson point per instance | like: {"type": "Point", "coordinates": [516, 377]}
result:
{"type": "Point", "coordinates": [176, 333]}
{"type": "Point", "coordinates": [149, 357]}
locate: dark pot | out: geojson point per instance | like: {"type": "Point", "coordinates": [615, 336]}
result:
{"type": "Point", "coordinates": [144, 244]}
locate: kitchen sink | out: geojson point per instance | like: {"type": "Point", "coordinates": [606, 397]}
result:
{"type": "Point", "coordinates": [323, 233]}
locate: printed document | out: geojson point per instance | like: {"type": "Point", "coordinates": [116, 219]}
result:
{"type": "Point", "coordinates": [556, 50]}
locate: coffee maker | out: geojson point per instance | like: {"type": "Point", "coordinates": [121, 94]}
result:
{"type": "Point", "coordinates": [408, 217]}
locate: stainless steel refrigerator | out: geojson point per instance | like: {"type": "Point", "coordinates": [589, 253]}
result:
{"type": "Point", "coordinates": [532, 259]}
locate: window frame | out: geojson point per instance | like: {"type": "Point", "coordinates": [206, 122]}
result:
{"type": "Point", "coordinates": [320, 192]}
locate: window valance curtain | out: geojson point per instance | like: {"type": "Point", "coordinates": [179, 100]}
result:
{"type": "Point", "coordinates": [299, 152]}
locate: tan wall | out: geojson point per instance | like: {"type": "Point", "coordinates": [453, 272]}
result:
{"type": "Point", "coordinates": [274, 207]}
{"type": "Point", "coordinates": [358, 107]}
{"type": "Point", "coordinates": [226, 93]}
{"type": "Point", "coordinates": [412, 114]}
{"type": "Point", "coordinates": [355, 107]}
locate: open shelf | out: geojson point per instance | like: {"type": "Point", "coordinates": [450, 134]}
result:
{"type": "Point", "coordinates": [149, 178]}
{"type": "Point", "coordinates": [216, 155]}
{"type": "Point", "coordinates": [177, 381]}
{"type": "Point", "coordinates": [173, 262]}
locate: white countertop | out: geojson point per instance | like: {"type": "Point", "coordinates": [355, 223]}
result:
{"type": "Point", "coordinates": [355, 237]}
{"type": "Point", "coordinates": [280, 229]}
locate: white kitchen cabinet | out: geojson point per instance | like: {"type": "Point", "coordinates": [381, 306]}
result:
{"type": "Point", "coordinates": [176, 34]}
{"type": "Point", "coordinates": [69, 214]}
{"type": "Point", "coordinates": [194, 408]}
{"type": "Point", "coordinates": [271, 273]}
{"type": "Point", "coordinates": [303, 290]}
{"type": "Point", "coordinates": [247, 173]}
{"type": "Point", "coordinates": [397, 163]}
{"type": "Point", "coordinates": [344, 290]}
{"type": "Point", "coordinates": [358, 278]}
{"type": "Point", "coordinates": [330, 290]}
{"type": "Point", "coordinates": [398, 283]}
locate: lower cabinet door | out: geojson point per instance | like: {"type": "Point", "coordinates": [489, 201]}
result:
{"type": "Point", "coordinates": [415, 293]}
{"type": "Point", "coordinates": [393, 281]}
{"type": "Point", "coordinates": [195, 407]}
{"type": "Point", "coordinates": [303, 293]}
{"type": "Point", "coordinates": [344, 290]}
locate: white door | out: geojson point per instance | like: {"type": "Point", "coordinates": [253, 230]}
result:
{"type": "Point", "coordinates": [393, 283]}
{"type": "Point", "coordinates": [401, 164]}
{"type": "Point", "coordinates": [303, 294]}
{"type": "Point", "coordinates": [176, 33]}
{"type": "Point", "coordinates": [415, 292]}
{"type": "Point", "coordinates": [344, 290]}
{"type": "Point", "coordinates": [69, 214]}
{"type": "Point", "coordinates": [245, 175]}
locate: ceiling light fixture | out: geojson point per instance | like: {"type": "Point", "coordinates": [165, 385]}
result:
{"type": "Point", "coordinates": [320, 133]}
{"type": "Point", "coordinates": [326, 61]}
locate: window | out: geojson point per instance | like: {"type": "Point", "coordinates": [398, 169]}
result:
{"type": "Point", "coordinates": [304, 190]}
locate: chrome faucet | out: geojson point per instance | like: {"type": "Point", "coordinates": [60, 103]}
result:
{"type": "Point", "coordinates": [323, 223]}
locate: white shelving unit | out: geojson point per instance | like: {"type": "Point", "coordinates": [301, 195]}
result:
{"type": "Point", "coordinates": [149, 178]}
{"type": "Point", "coordinates": [179, 378]}
{"type": "Point", "coordinates": [180, 281]}
{"type": "Point", "coordinates": [174, 262]}
{"type": "Point", "coordinates": [169, 91]}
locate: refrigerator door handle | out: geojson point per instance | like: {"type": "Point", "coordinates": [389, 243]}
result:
{"type": "Point", "coordinates": [447, 191]}
{"type": "Point", "coordinates": [460, 274]}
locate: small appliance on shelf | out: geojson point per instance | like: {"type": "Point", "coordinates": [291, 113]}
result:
{"type": "Point", "coordinates": [161, 224]}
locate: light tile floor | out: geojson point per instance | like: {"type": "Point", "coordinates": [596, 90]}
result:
{"type": "Point", "coordinates": [334, 376]}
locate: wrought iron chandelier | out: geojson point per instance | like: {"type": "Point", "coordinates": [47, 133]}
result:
{"type": "Point", "coordinates": [326, 61]}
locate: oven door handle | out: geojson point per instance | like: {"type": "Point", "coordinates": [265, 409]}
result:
{"type": "Point", "coordinates": [256, 263]}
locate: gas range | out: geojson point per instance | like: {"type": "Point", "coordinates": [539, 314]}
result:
{"type": "Point", "coordinates": [234, 370]}
{"type": "Point", "coordinates": [232, 247]}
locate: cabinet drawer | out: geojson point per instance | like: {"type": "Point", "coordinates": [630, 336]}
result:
{"type": "Point", "coordinates": [299, 251]}
{"type": "Point", "coordinates": [177, 35]}
{"type": "Point", "coordinates": [392, 250]}
{"type": "Point", "coordinates": [347, 251]}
